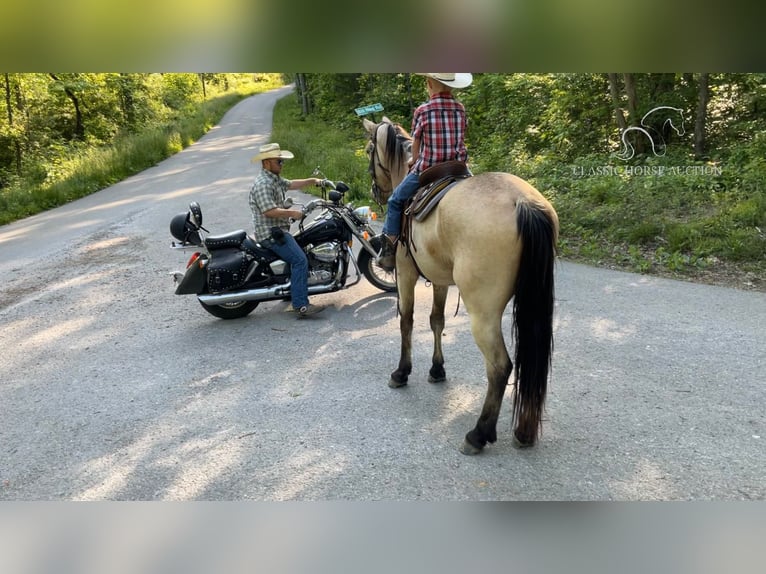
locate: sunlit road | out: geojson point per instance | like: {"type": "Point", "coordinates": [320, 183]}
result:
{"type": "Point", "coordinates": [113, 388]}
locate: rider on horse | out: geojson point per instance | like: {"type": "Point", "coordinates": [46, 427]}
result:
{"type": "Point", "coordinates": [438, 132]}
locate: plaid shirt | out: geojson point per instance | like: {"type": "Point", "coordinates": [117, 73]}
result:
{"type": "Point", "coordinates": [269, 191]}
{"type": "Point", "coordinates": [440, 124]}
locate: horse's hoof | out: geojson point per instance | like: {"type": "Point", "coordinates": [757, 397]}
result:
{"type": "Point", "coordinates": [432, 379]}
{"type": "Point", "coordinates": [469, 449]}
{"type": "Point", "coordinates": [396, 384]}
{"type": "Point", "coordinates": [521, 445]}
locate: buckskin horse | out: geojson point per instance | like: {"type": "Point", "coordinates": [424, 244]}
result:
{"type": "Point", "coordinates": [494, 236]}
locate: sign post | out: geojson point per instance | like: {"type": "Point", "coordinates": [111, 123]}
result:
{"type": "Point", "coordinates": [364, 110]}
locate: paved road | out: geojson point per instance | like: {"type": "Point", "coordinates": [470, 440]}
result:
{"type": "Point", "coordinates": [115, 389]}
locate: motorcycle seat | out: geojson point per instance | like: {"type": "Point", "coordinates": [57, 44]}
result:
{"type": "Point", "coordinates": [227, 240]}
{"type": "Point", "coordinates": [256, 249]}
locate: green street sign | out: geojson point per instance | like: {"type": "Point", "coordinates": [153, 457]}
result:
{"type": "Point", "coordinates": [368, 109]}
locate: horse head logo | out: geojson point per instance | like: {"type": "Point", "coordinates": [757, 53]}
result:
{"type": "Point", "coordinates": [654, 136]}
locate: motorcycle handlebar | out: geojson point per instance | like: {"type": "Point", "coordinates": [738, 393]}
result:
{"type": "Point", "coordinates": [312, 205]}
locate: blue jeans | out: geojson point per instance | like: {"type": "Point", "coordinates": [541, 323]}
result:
{"type": "Point", "coordinates": [403, 192]}
{"type": "Point", "coordinates": [291, 253]}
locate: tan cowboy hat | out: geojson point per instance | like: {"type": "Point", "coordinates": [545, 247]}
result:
{"type": "Point", "coordinates": [272, 151]}
{"type": "Point", "coordinates": [452, 80]}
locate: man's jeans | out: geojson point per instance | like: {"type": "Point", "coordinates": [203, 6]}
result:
{"type": "Point", "coordinates": [291, 253]}
{"type": "Point", "coordinates": [403, 192]}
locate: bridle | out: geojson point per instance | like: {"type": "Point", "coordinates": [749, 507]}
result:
{"type": "Point", "coordinates": [375, 164]}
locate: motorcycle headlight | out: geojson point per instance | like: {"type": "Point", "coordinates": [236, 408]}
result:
{"type": "Point", "coordinates": [364, 213]}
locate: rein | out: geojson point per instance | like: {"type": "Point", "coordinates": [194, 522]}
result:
{"type": "Point", "coordinates": [374, 161]}
{"type": "Point", "coordinates": [406, 235]}
{"type": "Point", "coordinates": [399, 149]}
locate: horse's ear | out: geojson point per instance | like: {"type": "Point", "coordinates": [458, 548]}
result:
{"type": "Point", "coordinates": [368, 125]}
{"type": "Point", "coordinates": [386, 120]}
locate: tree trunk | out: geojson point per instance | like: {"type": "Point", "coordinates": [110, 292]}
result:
{"type": "Point", "coordinates": [630, 91]}
{"type": "Point", "coordinates": [127, 101]}
{"type": "Point", "coordinates": [614, 90]}
{"type": "Point", "coordinates": [204, 86]}
{"type": "Point", "coordinates": [11, 120]}
{"type": "Point", "coordinates": [300, 80]}
{"type": "Point", "coordinates": [79, 127]}
{"type": "Point", "coordinates": [408, 77]}
{"type": "Point", "coordinates": [700, 120]}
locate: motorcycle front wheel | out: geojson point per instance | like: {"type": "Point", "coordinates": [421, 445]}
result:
{"type": "Point", "coordinates": [374, 273]}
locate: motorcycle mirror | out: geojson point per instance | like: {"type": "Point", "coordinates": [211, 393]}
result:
{"type": "Point", "coordinates": [287, 203]}
{"type": "Point", "coordinates": [335, 196]}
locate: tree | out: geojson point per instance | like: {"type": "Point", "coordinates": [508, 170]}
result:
{"type": "Point", "coordinates": [630, 91]}
{"type": "Point", "coordinates": [69, 89]}
{"type": "Point", "coordinates": [303, 94]}
{"type": "Point", "coordinates": [614, 91]}
{"type": "Point", "coordinates": [700, 120]}
{"type": "Point", "coordinates": [12, 128]}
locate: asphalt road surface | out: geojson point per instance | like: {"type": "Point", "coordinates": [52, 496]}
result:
{"type": "Point", "coordinates": [113, 388]}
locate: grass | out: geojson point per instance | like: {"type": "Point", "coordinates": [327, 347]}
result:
{"type": "Point", "coordinates": [338, 155]}
{"type": "Point", "coordinates": [700, 224]}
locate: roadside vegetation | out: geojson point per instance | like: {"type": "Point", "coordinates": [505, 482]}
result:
{"type": "Point", "coordinates": [693, 207]}
{"type": "Point", "coordinates": [64, 136]}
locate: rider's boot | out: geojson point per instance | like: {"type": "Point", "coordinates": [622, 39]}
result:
{"type": "Point", "coordinates": [387, 256]}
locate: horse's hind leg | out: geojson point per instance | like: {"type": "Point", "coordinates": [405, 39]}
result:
{"type": "Point", "coordinates": [405, 283]}
{"type": "Point", "coordinates": [437, 373]}
{"type": "Point", "coordinates": [488, 334]}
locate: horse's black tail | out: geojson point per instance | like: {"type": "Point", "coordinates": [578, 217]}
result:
{"type": "Point", "coordinates": [533, 318]}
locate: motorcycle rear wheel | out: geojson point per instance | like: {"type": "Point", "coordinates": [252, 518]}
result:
{"type": "Point", "coordinates": [235, 310]}
{"type": "Point", "coordinates": [374, 273]}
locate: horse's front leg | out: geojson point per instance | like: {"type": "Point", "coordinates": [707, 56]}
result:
{"type": "Point", "coordinates": [406, 277]}
{"type": "Point", "coordinates": [437, 373]}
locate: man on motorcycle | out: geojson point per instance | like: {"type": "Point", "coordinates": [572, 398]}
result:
{"type": "Point", "coordinates": [272, 221]}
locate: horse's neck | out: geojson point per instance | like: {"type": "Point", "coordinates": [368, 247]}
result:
{"type": "Point", "coordinates": [396, 179]}
{"type": "Point", "coordinates": [401, 173]}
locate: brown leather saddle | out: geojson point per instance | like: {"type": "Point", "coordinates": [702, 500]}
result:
{"type": "Point", "coordinates": [435, 182]}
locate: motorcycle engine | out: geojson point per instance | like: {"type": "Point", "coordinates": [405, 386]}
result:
{"type": "Point", "coordinates": [326, 252]}
{"type": "Point", "coordinates": [322, 259]}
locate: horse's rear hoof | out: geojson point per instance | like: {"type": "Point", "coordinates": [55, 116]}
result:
{"type": "Point", "coordinates": [396, 384]}
{"type": "Point", "coordinates": [469, 449]}
{"type": "Point", "coordinates": [437, 374]}
{"type": "Point", "coordinates": [518, 443]}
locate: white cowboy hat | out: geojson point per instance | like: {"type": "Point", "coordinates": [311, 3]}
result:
{"type": "Point", "coordinates": [452, 80]}
{"type": "Point", "coordinates": [272, 151]}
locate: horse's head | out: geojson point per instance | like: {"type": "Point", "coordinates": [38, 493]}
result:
{"type": "Point", "coordinates": [389, 148]}
{"type": "Point", "coordinates": [670, 113]}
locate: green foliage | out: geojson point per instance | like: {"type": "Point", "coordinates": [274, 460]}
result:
{"type": "Point", "coordinates": [655, 213]}
{"type": "Point", "coordinates": [338, 154]}
{"type": "Point", "coordinates": [678, 212]}
{"type": "Point", "coordinates": [57, 170]}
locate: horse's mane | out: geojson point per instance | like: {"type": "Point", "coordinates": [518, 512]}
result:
{"type": "Point", "coordinates": [398, 144]}
{"type": "Point", "coordinates": [402, 131]}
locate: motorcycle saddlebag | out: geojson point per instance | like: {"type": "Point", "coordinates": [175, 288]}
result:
{"type": "Point", "coordinates": [227, 269]}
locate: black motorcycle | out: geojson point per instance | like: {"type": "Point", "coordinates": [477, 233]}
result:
{"type": "Point", "coordinates": [231, 274]}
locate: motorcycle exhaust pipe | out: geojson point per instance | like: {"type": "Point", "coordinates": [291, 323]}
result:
{"type": "Point", "coordinates": [249, 295]}
{"type": "Point", "coordinates": [263, 294]}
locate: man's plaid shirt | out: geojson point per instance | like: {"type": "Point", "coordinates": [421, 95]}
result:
{"type": "Point", "coordinates": [269, 191]}
{"type": "Point", "coordinates": [440, 124]}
